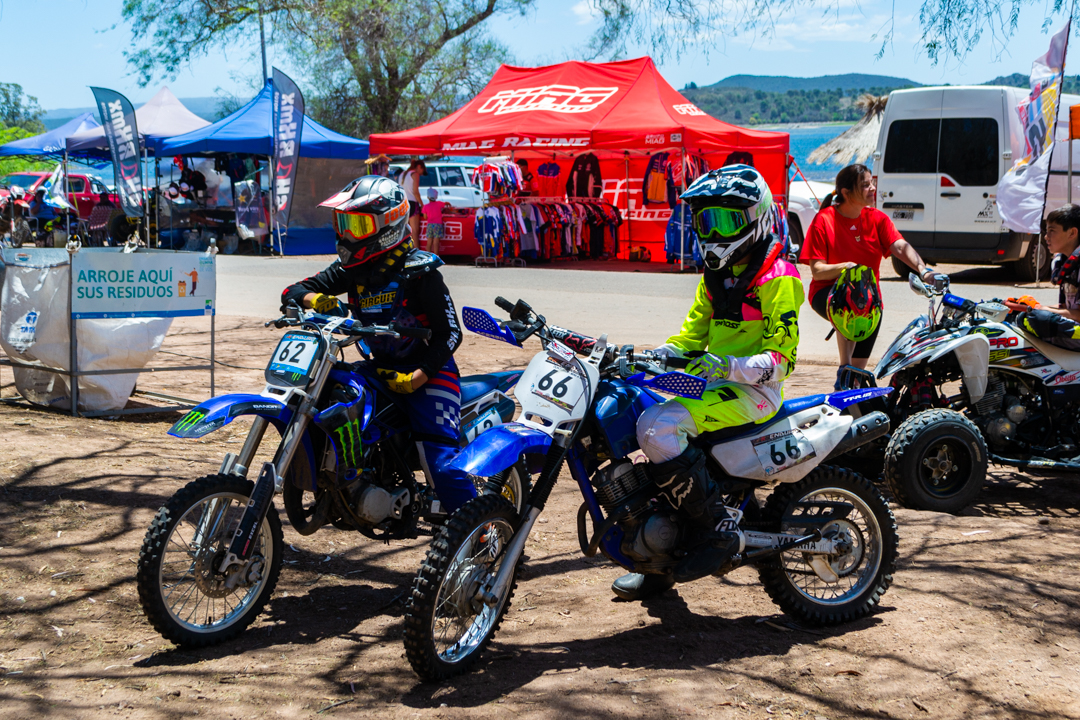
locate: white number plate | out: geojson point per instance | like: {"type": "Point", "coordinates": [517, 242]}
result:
{"type": "Point", "coordinates": [903, 214]}
{"type": "Point", "coordinates": [489, 419]}
{"type": "Point", "coordinates": [559, 387]}
{"type": "Point", "coordinates": [782, 450]}
{"type": "Point", "coordinates": [294, 354]}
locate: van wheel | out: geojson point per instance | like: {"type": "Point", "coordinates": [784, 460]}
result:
{"type": "Point", "coordinates": [1025, 266]}
{"type": "Point", "coordinates": [901, 268]}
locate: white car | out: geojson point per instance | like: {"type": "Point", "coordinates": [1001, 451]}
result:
{"type": "Point", "coordinates": [452, 179]}
{"type": "Point", "coordinates": [804, 201]}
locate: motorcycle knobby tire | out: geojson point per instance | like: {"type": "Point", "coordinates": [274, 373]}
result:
{"type": "Point", "coordinates": [921, 444]}
{"type": "Point", "coordinates": [780, 585]}
{"type": "Point", "coordinates": [421, 608]}
{"type": "Point", "coordinates": [155, 545]}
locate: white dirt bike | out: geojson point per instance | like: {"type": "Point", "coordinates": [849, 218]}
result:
{"type": "Point", "coordinates": [825, 543]}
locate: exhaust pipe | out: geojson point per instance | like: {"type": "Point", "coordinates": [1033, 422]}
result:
{"type": "Point", "coordinates": [869, 427]}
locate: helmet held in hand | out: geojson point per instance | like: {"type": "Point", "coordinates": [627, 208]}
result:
{"type": "Point", "coordinates": [854, 304]}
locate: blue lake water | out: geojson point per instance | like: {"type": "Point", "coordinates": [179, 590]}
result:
{"type": "Point", "coordinates": [805, 140]}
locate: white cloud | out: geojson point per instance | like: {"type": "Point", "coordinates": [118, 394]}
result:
{"type": "Point", "coordinates": [585, 12]}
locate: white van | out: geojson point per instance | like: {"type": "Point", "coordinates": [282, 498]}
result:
{"type": "Point", "coordinates": [453, 181]}
{"type": "Point", "coordinates": [940, 155]}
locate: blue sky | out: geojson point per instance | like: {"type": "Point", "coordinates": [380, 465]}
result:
{"type": "Point", "coordinates": [55, 49]}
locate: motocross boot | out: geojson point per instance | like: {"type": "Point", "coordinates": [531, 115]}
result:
{"type": "Point", "coordinates": [635, 586]}
{"type": "Point", "coordinates": [686, 483]}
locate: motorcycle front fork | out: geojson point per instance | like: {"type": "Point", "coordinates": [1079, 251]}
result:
{"type": "Point", "coordinates": [272, 473]}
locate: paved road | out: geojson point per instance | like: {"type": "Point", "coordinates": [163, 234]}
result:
{"type": "Point", "coordinates": [631, 307]}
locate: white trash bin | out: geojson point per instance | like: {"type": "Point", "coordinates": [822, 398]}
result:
{"type": "Point", "coordinates": [35, 328]}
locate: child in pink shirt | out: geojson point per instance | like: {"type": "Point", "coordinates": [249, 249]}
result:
{"type": "Point", "coordinates": [433, 210]}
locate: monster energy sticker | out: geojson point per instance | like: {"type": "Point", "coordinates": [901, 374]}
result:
{"type": "Point", "coordinates": [348, 444]}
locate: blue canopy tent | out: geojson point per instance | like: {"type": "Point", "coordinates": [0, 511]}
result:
{"type": "Point", "coordinates": [248, 130]}
{"type": "Point", "coordinates": [52, 142]}
{"type": "Point", "coordinates": [331, 160]}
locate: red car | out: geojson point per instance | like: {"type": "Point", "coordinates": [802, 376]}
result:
{"type": "Point", "coordinates": [84, 190]}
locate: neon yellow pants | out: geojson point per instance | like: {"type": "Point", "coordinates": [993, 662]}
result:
{"type": "Point", "coordinates": [662, 430]}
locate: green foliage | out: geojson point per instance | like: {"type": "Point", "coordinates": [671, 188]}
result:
{"type": "Point", "coordinates": [949, 28]}
{"type": "Point", "coordinates": [10, 165]}
{"type": "Point", "coordinates": [18, 110]}
{"type": "Point", "coordinates": [367, 65]}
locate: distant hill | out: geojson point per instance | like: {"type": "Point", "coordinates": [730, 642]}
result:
{"type": "Point", "coordinates": [1072, 82]}
{"type": "Point", "coordinates": [758, 99]}
{"type": "Point", "coordinates": [780, 83]}
{"type": "Point", "coordinates": [204, 107]}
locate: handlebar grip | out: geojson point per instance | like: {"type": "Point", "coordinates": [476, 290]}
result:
{"type": "Point", "coordinates": [676, 362]}
{"type": "Point", "coordinates": [504, 304]}
{"type": "Point", "coordinates": [413, 332]}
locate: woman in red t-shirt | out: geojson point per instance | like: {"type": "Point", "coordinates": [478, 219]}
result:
{"type": "Point", "coordinates": [850, 231]}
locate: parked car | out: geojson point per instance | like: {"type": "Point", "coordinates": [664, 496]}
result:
{"type": "Point", "coordinates": [84, 191]}
{"type": "Point", "coordinates": [940, 155]}
{"type": "Point", "coordinates": [452, 179]}
{"type": "Point", "coordinates": [804, 201]}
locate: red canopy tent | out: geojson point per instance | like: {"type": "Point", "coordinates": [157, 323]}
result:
{"type": "Point", "coordinates": [623, 112]}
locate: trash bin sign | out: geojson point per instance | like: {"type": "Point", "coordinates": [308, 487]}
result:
{"type": "Point", "coordinates": [142, 284]}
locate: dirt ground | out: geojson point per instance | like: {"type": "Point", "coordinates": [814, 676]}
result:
{"type": "Point", "coordinates": [982, 621]}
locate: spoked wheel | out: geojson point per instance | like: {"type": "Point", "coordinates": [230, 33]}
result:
{"type": "Point", "coordinates": [447, 623]}
{"type": "Point", "coordinates": [183, 593]}
{"type": "Point", "coordinates": [516, 488]}
{"type": "Point", "coordinates": [826, 589]}
{"type": "Point", "coordinates": [936, 460]}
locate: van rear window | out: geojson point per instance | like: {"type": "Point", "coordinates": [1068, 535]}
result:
{"type": "Point", "coordinates": [969, 151]}
{"type": "Point", "coordinates": [912, 147]}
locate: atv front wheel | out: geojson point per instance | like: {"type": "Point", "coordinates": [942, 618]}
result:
{"type": "Point", "coordinates": [936, 460]}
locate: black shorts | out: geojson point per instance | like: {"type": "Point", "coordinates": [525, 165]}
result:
{"type": "Point", "coordinates": [820, 303]}
{"type": "Point", "coordinates": [414, 209]}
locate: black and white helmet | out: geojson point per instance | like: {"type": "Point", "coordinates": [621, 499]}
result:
{"type": "Point", "coordinates": [732, 210]}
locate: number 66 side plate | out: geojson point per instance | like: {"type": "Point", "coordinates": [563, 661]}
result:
{"type": "Point", "coordinates": [294, 358]}
{"type": "Point", "coordinates": [782, 450]}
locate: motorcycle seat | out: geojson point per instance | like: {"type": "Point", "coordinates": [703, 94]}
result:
{"type": "Point", "coordinates": [475, 386]}
{"type": "Point", "coordinates": [1068, 360]}
{"type": "Point", "coordinates": [790, 407]}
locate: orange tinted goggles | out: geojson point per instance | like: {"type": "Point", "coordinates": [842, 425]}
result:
{"type": "Point", "coordinates": [363, 225]}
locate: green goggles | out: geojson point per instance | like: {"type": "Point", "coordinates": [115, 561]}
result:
{"type": "Point", "coordinates": [724, 222]}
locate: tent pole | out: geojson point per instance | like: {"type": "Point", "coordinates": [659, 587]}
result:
{"type": "Point", "coordinates": [67, 185]}
{"type": "Point", "coordinates": [629, 230]}
{"type": "Point", "coordinates": [273, 200]}
{"type": "Point", "coordinates": [682, 215]}
{"type": "Point", "coordinates": [146, 195]}
{"type": "Point", "coordinates": [157, 198]}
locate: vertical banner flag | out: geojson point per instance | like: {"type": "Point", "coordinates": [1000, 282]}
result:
{"type": "Point", "coordinates": [288, 123]}
{"type": "Point", "coordinates": [118, 121]}
{"type": "Point", "coordinates": [1022, 190]}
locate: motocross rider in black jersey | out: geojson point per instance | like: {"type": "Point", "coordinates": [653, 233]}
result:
{"type": "Point", "coordinates": [388, 279]}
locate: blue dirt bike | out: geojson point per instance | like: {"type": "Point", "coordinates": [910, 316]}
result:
{"type": "Point", "coordinates": [213, 553]}
{"type": "Point", "coordinates": [825, 542]}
